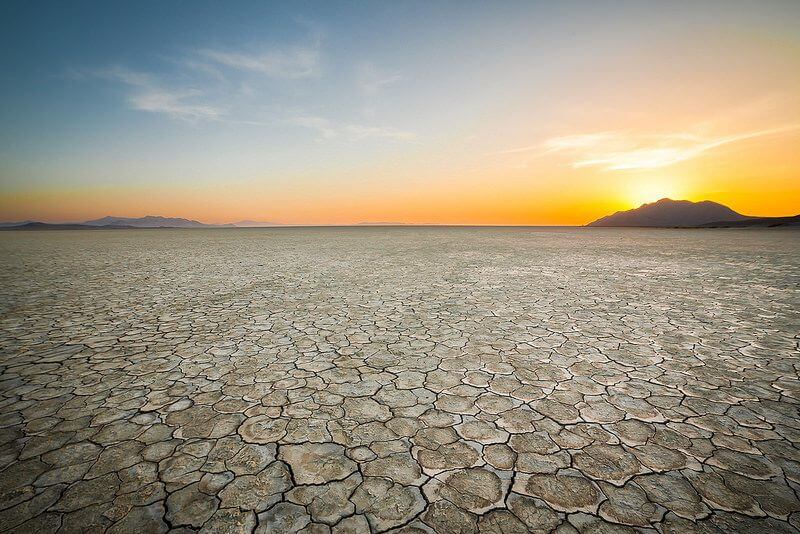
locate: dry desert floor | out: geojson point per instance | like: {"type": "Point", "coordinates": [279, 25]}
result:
{"type": "Point", "coordinates": [400, 379]}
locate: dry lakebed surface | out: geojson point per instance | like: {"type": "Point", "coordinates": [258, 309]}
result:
{"type": "Point", "coordinates": [400, 380]}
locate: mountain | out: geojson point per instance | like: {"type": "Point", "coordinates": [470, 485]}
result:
{"type": "Point", "coordinates": [671, 213]}
{"type": "Point", "coordinates": [17, 223]}
{"type": "Point", "coordinates": [150, 221]}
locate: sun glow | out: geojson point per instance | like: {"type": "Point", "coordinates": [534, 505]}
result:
{"type": "Point", "coordinates": [645, 191]}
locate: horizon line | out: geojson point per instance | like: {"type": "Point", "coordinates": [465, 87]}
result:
{"type": "Point", "coordinates": [385, 224]}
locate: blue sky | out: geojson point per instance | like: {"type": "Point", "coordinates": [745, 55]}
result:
{"type": "Point", "coordinates": [306, 99]}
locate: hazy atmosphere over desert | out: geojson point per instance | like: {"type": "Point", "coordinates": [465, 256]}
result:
{"type": "Point", "coordinates": [408, 267]}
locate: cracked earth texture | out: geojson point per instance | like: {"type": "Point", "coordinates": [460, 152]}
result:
{"type": "Point", "coordinates": [401, 379]}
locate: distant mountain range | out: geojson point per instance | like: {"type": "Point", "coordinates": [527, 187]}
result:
{"type": "Point", "coordinates": [668, 213]}
{"type": "Point", "coordinates": [149, 221]}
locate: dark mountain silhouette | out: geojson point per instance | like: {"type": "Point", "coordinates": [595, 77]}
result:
{"type": "Point", "coordinates": [670, 213]}
{"type": "Point", "coordinates": [150, 221]}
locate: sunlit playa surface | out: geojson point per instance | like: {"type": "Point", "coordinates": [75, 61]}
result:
{"type": "Point", "coordinates": [419, 379]}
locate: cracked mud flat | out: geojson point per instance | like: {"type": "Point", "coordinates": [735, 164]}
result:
{"type": "Point", "coordinates": [423, 380]}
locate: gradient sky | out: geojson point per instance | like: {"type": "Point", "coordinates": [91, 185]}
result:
{"type": "Point", "coordinates": [415, 112]}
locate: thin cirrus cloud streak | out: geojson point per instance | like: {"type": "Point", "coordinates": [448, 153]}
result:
{"type": "Point", "coordinates": [616, 151]}
{"type": "Point", "coordinates": [174, 105]}
{"type": "Point", "coordinates": [147, 95]}
{"type": "Point", "coordinates": [330, 130]}
{"type": "Point", "coordinates": [372, 80]}
{"type": "Point", "coordinates": [291, 63]}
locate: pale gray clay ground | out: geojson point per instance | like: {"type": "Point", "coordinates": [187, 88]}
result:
{"type": "Point", "coordinates": [407, 380]}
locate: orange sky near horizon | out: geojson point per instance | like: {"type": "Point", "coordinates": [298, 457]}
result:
{"type": "Point", "coordinates": [491, 193]}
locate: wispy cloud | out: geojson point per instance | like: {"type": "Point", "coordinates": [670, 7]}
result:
{"type": "Point", "coordinates": [330, 130]}
{"type": "Point", "coordinates": [371, 80]}
{"type": "Point", "coordinates": [620, 151]}
{"type": "Point", "coordinates": [219, 76]}
{"type": "Point", "coordinates": [322, 126]}
{"type": "Point", "coordinates": [174, 104]}
{"type": "Point", "coordinates": [148, 95]}
{"type": "Point", "coordinates": [360, 131]}
{"type": "Point", "coordinates": [289, 62]}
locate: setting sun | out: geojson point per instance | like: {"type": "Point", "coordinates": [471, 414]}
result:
{"type": "Point", "coordinates": [645, 191]}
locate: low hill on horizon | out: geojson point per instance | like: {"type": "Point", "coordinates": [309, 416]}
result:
{"type": "Point", "coordinates": [756, 222]}
{"type": "Point", "coordinates": [255, 224]}
{"type": "Point", "coordinates": [35, 225]}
